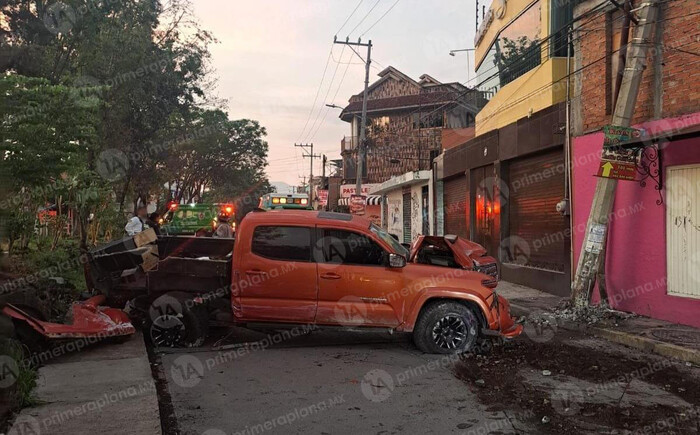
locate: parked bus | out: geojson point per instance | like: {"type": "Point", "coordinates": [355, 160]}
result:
{"type": "Point", "coordinates": [272, 201]}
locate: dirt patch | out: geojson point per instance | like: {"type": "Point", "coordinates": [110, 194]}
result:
{"type": "Point", "coordinates": [573, 384]}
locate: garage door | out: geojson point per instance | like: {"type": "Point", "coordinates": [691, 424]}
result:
{"type": "Point", "coordinates": [539, 235]}
{"type": "Point", "coordinates": [455, 206]}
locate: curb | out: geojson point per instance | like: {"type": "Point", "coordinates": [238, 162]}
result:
{"type": "Point", "coordinates": [631, 340]}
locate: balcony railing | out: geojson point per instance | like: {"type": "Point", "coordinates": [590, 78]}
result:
{"type": "Point", "coordinates": [349, 143]}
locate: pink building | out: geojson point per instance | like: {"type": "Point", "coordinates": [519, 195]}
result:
{"type": "Point", "coordinates": [653, 250]}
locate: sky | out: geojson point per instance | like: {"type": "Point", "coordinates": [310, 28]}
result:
{"type": "Point", "coordinates": [271, 56]}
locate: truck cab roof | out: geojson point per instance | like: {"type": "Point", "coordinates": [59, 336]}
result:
{"type": "Point", "coordinates": [307, 217]}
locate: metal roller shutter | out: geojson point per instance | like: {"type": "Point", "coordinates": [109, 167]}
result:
{"type": "Point", "coordinates": [539, 235]}
{"type": "Point", "coordinates": [455, 206]}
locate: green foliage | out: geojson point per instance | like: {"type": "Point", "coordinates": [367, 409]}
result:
{"type": "Point", "coordinates": [22, 390]}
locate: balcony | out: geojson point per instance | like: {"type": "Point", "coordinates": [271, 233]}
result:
{"type": "Point", "coordinates": [349, 143]}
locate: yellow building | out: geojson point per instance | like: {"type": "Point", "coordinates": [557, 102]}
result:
{"type": "Point", "coordinates": [520, 57]}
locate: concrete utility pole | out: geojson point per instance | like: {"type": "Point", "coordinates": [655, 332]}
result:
{"type": "Point", "coordinates": [361, 145]}
{"type": "Point", "coordinates": [589, 260]}
{"type": "Point", "coordinates": [309, 147]}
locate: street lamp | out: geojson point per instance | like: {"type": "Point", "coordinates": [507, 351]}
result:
{"type": "Point", "coordinates": [334, 106]}
{"type": "Point", "coordinates": [452, 53]}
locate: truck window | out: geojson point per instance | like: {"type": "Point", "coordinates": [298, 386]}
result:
{"type": "Point", "coordinates": [347, 247]}
{"type": "Point", "coordinates": [282, 243]}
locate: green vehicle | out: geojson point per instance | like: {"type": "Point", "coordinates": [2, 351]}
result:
{"type": "Point", "coordinates": [195, 219]}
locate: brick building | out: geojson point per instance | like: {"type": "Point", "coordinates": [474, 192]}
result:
{"type": "Point", "coordinates": [405, 120]}
{"type": "Point", "coordinates": [653, 252]}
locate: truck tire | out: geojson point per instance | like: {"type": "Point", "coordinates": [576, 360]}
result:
{"type": "Point", "coordinates": [446, 327]}
{"type": "Point", "coordinates": [188, 328]}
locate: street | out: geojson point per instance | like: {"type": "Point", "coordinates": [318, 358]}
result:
{"type": "Point", "coordinates": [359, 382]}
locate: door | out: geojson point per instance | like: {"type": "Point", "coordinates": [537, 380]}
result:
{"type": "Point", "coordinates": [485, 208]}
{"type": "Point", "coordinates": [278, 279]}
{"type": "Point", "coordinates": [683, 231]}
{"type": "Point", "coordinates": [455, 213]}
{"type": "Point", "coordinates": [539, 235]}
{"type": "Point", "coordinates": [356, 288]}
{"type": "Point", "coordinates": [425, 208]}
{"type": "Point", "coordinates": [407, 217]}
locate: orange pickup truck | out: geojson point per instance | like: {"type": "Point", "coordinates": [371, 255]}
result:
{"type": "Point", "coordinates": [308, 267]}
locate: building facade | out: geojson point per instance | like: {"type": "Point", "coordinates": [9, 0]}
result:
{"type": "Point", "coordinates": [405, 120]}
{"type": "Point", "coordinates": [502, 188]}
{"type": "Point", "coordinates": [652, 262]}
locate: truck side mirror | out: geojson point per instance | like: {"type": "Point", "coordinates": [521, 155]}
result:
{"type": "Point", "coordinates": [396, 260]}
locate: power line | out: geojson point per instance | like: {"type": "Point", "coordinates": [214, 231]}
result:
{"type": "Point", "coordinates": [364, 18]}
{"type": "Point", "coordinates": [380, 18]}
{"type": "Point", "coordinates": [313, 105]}
{"type": "Point", "coordinates": [332, 99]}
{"type": "Point", "coordinates": [325, 98]}
{"type": "Point", "coordinates": [349, 16]}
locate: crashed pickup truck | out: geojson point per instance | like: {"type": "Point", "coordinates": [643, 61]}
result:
{"type": "Point", "coordinates": [299, 267]}
{"type": "Point", "coordinates": [452, 251]}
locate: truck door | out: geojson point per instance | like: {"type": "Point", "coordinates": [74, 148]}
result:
{"type": "Point", "coordinates": [277, 281]}
{"type": "Point", "coordinates": [356, 287]}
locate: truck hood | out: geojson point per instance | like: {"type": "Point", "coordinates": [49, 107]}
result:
{"type": "Point", "coordinates": [424, 276]}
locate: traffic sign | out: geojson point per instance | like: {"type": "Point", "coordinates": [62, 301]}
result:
{"type": "Point", "coordinates": [618, 170]}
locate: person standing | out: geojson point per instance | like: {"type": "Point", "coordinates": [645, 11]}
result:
{"type": "Point", "coordinates": [223, 230]}
{"type": "Point", "coordinates": [154, 222]}
{"type": "Point", "coordinates": [137, 223]}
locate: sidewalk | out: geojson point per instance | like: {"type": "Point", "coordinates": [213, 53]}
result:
{"type": "Point", "coordinates": [650, 335]}
{"type": "Point", "coordinates": [105, 389]}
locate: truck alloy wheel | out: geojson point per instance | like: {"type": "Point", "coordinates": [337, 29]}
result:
{"type": "Point", "coordinates": [167, 331]}
{"type": "Point", "coordinates": [446, 327]}
{"type": "Point", "coordinates": [450, 332]}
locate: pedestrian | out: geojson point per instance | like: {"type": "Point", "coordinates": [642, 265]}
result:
{"type": "Point", "coordinates": [154, 222]}
{"type": "Point", "coordinates": [137, 223]}
{"type": "Point", "coordinates": [223, 230]}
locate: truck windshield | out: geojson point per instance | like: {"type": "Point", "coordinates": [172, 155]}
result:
{"type": "Point", "coordinates": [395, 245]}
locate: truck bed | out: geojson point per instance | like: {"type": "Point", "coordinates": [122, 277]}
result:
{"type": "Point", "coordinates": [138, 266]}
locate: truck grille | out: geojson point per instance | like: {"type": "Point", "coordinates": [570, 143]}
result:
{"type": "Point", "coordinates": [488, 269]}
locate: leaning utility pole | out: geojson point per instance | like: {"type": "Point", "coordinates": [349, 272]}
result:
{"type": "Point", "coordinates": [597, 227]}
{"type": "Point", "coordinates": [309, 147]}
{"type": "Point", "coordinates": [361, 145]}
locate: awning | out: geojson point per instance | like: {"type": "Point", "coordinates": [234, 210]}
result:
{"type": "Point", "coordinates": [371, 200]}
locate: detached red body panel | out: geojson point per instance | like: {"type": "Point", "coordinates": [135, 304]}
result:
{"type": "Point", "coordinates": [89, 320]}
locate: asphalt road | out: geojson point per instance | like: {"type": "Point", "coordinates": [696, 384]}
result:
{"type": "Point", "coordinates": [323, 382]}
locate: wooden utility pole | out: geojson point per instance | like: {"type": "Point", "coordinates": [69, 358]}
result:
{"type": "Point", "coordinates": [309, 147]}
{"type": "Point", "coordinates": [597, 227]}
{"type": "Point", "coordinates": [363, 125]}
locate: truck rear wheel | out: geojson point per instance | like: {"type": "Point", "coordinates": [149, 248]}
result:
{"type": "Point", "coordinates": [446, 327]}
{"type": "Point", "coordinates": [187, 327]}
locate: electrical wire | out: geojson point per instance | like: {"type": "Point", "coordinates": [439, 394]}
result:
{"type": "Point", "coordinates": [380, 18]}
{"type": "Point", "coordinates": [349, 16]}
{"type": "Point", "coordinates": [318, 91]}
{"type": "Point", "coordinates": [364, 18]}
